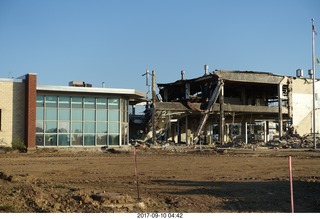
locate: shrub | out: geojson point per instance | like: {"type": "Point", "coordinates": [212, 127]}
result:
{"type": "Point", "coordinates": [18, 144]}
{"type": "Point", "coordinates": [5, 149]}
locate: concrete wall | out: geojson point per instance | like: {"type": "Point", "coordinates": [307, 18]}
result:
{"type": "Point", "coordinates": [12, 105]}
{"type": "Point", "coordinates": [302, 100]}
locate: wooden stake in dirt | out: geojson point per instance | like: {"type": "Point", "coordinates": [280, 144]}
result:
{"type": "Point", "coordinates": [291, 185]}
{"type": "Point", "coordinates": [136, 171]}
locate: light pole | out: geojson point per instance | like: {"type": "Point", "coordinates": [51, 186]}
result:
{"type": "Point", "coordinates": [313, 87]}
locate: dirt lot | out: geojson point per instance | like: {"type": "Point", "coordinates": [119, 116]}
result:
{"type": "Point", "coordinates": [170, 180]}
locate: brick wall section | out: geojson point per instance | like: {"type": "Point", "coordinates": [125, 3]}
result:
{"type": "Point", "coordinates": [12, 105]}
{"type": "Point", "coordinates": [31, 97]}
{"type": "Point", "coordinates": [6, 96]}
{"type": "Point", "coordinates": [18, 111]}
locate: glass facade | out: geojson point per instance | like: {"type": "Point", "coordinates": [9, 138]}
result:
{"type": "Point", "coordinates": [81, 121]}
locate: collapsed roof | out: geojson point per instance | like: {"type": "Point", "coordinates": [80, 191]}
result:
{"type": "Point", "coordinates": [248, 96]}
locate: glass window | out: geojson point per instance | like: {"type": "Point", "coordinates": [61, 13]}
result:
{"type": "Point", "coordinates": [89, 127]}
{"type": "Point", "coordinates": [89, 102]}
{"type": "Point", "coordinates": [50, 140]}
{"type": "Point", "coordinates": [113, 127]}
{"type": "Point", "coordinates": [64, 102]}
{"type": "Point", "coordinates": [64, 139]}
{"type": "Point", "coordinates": [39, 140]}
{"type": "Point", "coordinates": [114, 115]}
{"type": "Point", "coordinates": [90, 121]}
{"type": "Point", "coordinates": [39, 126]}
{"type": "Point", "coordinates": [40, 101]}
{"type": "Point", "coordinates": [64, 127]}
{"type": "Point", "coordinates": [113, 103]}
{"type": "Point", "coordinates": [39, 113]}
{"type": "Point", "coordinates": [89, 140]}
{"type": "Point", "coordinates": [51, 101]}
{"type": "Point", "coordinates": [102, 139]}
{"type": "Point", "coordinates": [76, 127]}
{"type": "Point", "coordinates": [89, 115]}
{"type": "Point", "coordinates": [51, 114]}
{"type": "Point", "coordinates": [64, 114]}
{"type": "Point", "coordinates": [77, 139]}
{"type": "Point", "coordinates": [113, 139]}
{"type": "Point", "coordinates": [101, 103]}
{"type": "Point", "coordinates": [51, 127]}
{"type": "Point", "coordinates": [76, 102]}
{"type": "Point", "coordinates": [102, 115]}
{"type": "Point", "coordinates": [77, 114]}
{"type": "Point", "coordinates": [102, 127]}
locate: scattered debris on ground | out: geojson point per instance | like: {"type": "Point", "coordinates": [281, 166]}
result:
{"type": "Point", "coordinates": [170, 178]}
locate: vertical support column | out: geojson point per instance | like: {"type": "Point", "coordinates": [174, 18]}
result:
{"type": "Point", "coordinates": [187, 91]}
{"type": "Point", "coordinates": [187, 134]}
{"type": "Point", "coordinates": [179, 131]}
{"type": "Point", "coordinates": [168, 135]}
{"type": "Point", "coordinates": [222, 119]}
{"type": "Point", "coordinates": [244, 132]}
{"type": "Point", "coordinates": [280, 120]}
{"type": "Point", "coordinates": [31, 97]}
{"type": "Point", "coordinates": [267, 130]}
{"type": "Point", "coordinates": [173, 133]}
{"type": "Point", "coordinates": [227, 131]}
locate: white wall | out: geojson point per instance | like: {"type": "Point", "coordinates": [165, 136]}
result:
{"type": "Point", "coordinates": [302, 100]}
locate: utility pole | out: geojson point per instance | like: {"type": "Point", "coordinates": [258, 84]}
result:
{"type": "Point", "coordinates": [314, 83]}
{"type": "Point", "coordinates": [153, 99]}
{"type": "Point", "coordinates": [153, 88]}
{"type": "Point", "coordinates": [147, 82]}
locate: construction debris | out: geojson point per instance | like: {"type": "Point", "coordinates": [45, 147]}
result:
{"type": "Point", "coordinates": [287, 141]}
{"type": "Point", "coordinates": [293, 141]}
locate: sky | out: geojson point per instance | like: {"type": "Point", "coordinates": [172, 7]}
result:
{"type": "Point", "coordinates": [115, 41]}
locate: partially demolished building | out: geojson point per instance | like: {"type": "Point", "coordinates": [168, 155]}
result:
{"type": "Point", "coordinates": [226, 105]}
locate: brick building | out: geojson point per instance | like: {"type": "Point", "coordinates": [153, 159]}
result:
{"type": "Point", "coordinates": [74, 115]}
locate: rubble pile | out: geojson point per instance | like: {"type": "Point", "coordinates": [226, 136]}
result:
{"type": "Point", "coordinates": [236, 143]}
{"type": "Point", "coordinates": [288, 141]}
{"type": "Point", "coordinates": [292, 141]}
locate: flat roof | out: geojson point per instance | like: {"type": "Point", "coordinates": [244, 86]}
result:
{"type": "Point", "coordinates": [15, 80]}
{"type": "Point", "coordinates": [237, 76]}
{"type": "Point", "coordinates": [132, 94]}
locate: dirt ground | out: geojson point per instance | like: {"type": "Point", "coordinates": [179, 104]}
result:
{"type": "Point", "coordinates": [171, 179]}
